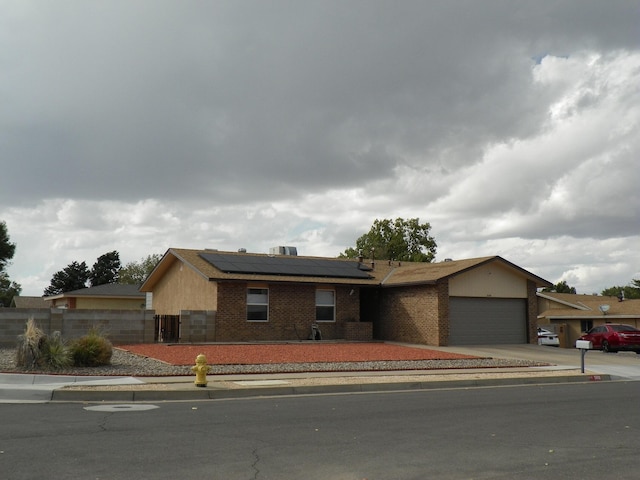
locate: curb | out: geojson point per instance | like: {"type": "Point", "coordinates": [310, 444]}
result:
{"type": "Point", "coordinates": [213, 393]}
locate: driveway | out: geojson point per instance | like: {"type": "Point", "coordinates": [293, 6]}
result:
{"type": "Point", "coordinates": [624, 365]}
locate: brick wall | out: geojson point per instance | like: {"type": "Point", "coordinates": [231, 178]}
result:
{"type": "Point", "coordinates": [442, 292]}
{"type": "Point", "coordinates": [358, 331]}
{"type": "Point", "coordinates": [412, 314]}
{"type": "Point", "coordinates": [292, 311]}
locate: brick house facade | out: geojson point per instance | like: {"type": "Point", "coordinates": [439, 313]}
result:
{"type": "Point", "coordinates": [292, 311]}
{"type": "Point", "coordinates": [405, 302]}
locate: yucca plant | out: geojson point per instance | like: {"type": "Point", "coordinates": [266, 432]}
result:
{"type": "Point", "coordinates": [54, 353]}
{"type": "Point", "coordinates": [28, 353]}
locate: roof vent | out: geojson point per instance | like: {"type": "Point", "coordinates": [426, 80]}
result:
{"type": "Point", "coordinates": [282, 250]}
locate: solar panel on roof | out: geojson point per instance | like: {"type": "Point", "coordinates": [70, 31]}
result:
{"type": "Point", "coordinates": [285, 265]}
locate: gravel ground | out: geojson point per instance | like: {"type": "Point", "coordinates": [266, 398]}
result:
{"type": "Point", "coordinates": [127, 364]}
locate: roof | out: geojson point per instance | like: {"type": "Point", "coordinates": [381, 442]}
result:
{"type": "Point", "coordinates": [421, 273]}
{"type": "Point", "coordinates": [108, 290]}
{"type": "Point", "coordinates": [213, 266]}
{"type": "Point", "coordinates": [574, 306]}
{"type": "Point", "coordinates": [28, 302]}
{"type": "Point", "coordinates": [197, 261]}
{"type": "Point", "coordinates": [288, 265]}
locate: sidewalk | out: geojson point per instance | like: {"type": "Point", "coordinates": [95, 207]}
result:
{"type": "Point", "coordinates": [26, 388]}
{"type": "Point", "coordinates": [46, 388]}
{"type": "Point", "coordinates": [16, 388]}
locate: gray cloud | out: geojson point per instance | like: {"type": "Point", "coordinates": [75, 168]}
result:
{"type": "Point", "coordinates": [185, 98]}
{"type": "Point", "coordinates": [205, 121]}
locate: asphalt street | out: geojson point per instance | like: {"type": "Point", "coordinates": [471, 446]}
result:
{"type": "Point", "coordinates": [578, 431]}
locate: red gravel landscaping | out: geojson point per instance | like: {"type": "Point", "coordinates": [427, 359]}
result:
{"type": "Point", "coordinates": [252, 354]}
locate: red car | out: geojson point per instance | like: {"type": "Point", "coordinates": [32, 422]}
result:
{"type": "Point", "coordinates": [613, 337]}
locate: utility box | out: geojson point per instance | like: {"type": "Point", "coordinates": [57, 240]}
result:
{"type": "Point", "coordinates": [584, 345]}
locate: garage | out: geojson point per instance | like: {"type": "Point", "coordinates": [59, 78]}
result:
{"type": "Point", "coordinates": [487, 321]}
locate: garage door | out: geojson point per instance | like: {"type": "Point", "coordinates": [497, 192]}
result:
{"type": "Point", "coordinates": [487, 321]}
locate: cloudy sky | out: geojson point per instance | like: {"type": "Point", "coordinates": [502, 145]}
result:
{"type": "Point", "coordinates": [510, 126]}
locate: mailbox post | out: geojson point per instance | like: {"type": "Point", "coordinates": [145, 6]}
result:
{"type": "Point", "coordinates": [583, 345]}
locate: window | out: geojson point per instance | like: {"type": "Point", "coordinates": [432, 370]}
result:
{"type": "Point", "coordinates": [258, 304]}
{"type": "Point", "coordinates": [325, 305]}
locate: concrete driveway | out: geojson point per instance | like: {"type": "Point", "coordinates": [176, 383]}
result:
{"type": "Point", "coordinates": [622, 365]}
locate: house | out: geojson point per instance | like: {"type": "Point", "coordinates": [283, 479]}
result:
{"type": "Point", "coordinates": [28, 302]}
{"type": "Point", "coordinates": [110, 296]}
{"type": "Point", "coordinates": [242, 296]}
{"type": "Point", "coordinates": [570, 315]}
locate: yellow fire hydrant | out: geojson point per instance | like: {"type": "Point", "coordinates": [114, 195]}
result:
{"type": "Point", "coordinates": [201, 369]}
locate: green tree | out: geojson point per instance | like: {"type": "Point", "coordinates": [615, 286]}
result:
{"type": "Point", "coordinates": [560, 287]}
{"type": "Point", "coordinates": [134, 273]}
{"type": "Point", "coordinates": [8, 290]}
{"type": "Point", "coordinates": [73, 277]}
{"type": "Point", "coordinates": [629, 291]}
{"type": "Point", "coordinates": [7, 249]}
{"type": "Point", "coordinates": [106, 269]}
{"type": "Point", "coordinates": [399, 239]}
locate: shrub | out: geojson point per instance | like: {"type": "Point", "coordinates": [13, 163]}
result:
{"type": "Point", "coordinates": [91, 350]}
{"type": "Point", "coordinates": [36, 349]}
{"type": "Point", "coordinates": [28, 353]}
{"type": "Point", "coordinates": [54, 352]}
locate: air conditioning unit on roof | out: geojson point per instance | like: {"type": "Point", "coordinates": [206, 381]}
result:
{"type": "Point", "coordinates": [282, 250]}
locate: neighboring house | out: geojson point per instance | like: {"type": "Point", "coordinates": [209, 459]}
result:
{"type": "Point", "coordinates": [259, 297]}
{"type": "Point", "coordinates": [28, 302]}
{"type": "Point", "coordinates": [110, 296]}
{"type": "Point", "coordinates": [571, 314]}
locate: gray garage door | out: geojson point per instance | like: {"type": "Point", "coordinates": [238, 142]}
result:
{"type": "Point", "coordinates": [487, 321]}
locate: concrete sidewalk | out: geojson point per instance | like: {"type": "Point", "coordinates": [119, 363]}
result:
{"type": "Point", "coordinates": [21, 388]}
{"type": "Point", "coordinates": [565, 366]}
{"type": "Point", "coordinates": [182, 388]}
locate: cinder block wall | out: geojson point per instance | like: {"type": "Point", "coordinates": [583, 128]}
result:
{"type": "Point", "coordinates": [13, 322]}
{"type": "Point", "coordinates": [120, 326]}
{"type": "Point", "coordinates": [292, 311]}
{"type": "Point", "coordinates": [197, 326]}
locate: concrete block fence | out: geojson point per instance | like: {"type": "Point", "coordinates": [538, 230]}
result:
{"type": "Point", "coordinates": [120, 326]}
{"type": "Point", "coordinates": [139, 326]}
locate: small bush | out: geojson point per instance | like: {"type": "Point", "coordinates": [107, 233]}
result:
{"type": "Point", "coordinates": [35, 349]}
{"type": "Point", "coordinates": [54, 353]}
{"type": "Point", "coordinates": [91, 350]}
